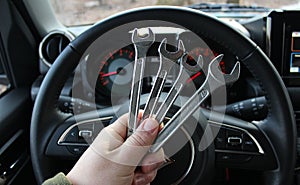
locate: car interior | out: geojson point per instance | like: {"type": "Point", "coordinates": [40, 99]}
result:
{"type": "Point", "coordinates": [64, 78]}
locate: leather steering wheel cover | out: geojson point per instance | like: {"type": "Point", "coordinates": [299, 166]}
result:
{"type": "Point", "coordinates": [279, 126]}
{"type": "Point", "coordinates": [194, 20]}
{"type": "Point", "coordinates": [46, 117]}
{"type": "Point", "coordinates": [280, 109]}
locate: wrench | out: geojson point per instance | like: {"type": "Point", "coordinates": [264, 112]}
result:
{"type": "Point", "coordinates": [215, 79]}
{"type": "Point", "coordinates": [177, 86]}
{"type": "Point", "coordinates": [141, 44]}
{"type": "Point", "coordinates": [167, 60]}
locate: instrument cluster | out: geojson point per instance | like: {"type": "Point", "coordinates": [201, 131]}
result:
{"type": "Point", "coordinates": [116, 70]}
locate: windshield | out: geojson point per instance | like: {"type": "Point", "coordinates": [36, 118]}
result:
{"type": "Point", "coordinates": [81, 12]}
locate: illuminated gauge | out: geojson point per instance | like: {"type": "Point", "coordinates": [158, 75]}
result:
{"type": "Point", "coordinates": [208, 55]}
{"type": "Point", "coordinates": [116, 73]}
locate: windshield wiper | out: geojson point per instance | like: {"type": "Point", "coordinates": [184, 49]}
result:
{"type": "Point", "coordinates": [211, 7]}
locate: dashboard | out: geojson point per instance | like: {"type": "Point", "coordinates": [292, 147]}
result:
{"type": "Point", "coordinates": [107, 79]}
{"type": "Point", "coordinates": [114, 66]}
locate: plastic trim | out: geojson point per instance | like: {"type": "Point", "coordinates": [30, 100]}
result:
{"type": "Point", "coordinates": [67, 34]}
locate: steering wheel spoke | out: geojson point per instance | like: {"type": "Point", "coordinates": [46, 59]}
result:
{"type": "Point", "coordinates": [240, 144]}
{"type": "Point", "coordinates": [73, 137]}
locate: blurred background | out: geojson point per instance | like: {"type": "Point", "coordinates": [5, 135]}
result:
{"type": "Point", "coordinates": [81, 12]}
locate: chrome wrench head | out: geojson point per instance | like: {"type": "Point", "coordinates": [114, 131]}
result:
{"type": "Point", "coordinates": [143, 39]}
{"type": "Point", "coordinates": [174, 56]}
{"type": "Point", "coordinates": [142, 42]}
{"type": "Point", "coordinates": [190, 67]}
{"type": "Point", "coordinates": [218, 75]}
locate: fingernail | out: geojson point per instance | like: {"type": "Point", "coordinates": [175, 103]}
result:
{"type": "Point", "coordinates": [149, 125]}
{"type": "Point", "coordinates": [140, 180]}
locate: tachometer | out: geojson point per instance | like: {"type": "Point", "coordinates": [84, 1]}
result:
{"type": "Point", "coordinates": [116, 73]}
{"type": "Point", "coordinates": [208, 55]}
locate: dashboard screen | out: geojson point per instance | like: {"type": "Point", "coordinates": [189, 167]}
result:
{"type": "Point", "coordinates": [295, 53]}
{"type": "Point", "coordinates": [283, 44]}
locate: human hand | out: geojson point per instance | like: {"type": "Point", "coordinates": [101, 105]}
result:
{"type": "Point", "coordinates": [112, 159]}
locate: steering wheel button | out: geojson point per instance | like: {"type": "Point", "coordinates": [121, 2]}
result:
{"type": "Point", "coordinates": [220, 141]}
{"type": "Point", "coordinates": [235, 158]}
{"type": "Point", "coordinates": [234, 141]}
{"type": "Point", "coordinates": [249, 144]}
{"type": "Point", "coordinates": [85, 133]}
{"type": "Point", "coordinates": [72, 136]}
{"type": "Point", "coordinates": [76, 150]}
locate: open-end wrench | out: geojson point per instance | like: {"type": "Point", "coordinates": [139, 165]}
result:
{"type": "Point", "coordinates": [179, 83]}
{"type": "Point", "coordinates": [167, 60]}
{"type": "Point", "coordinates": [141, 44]}
{"type": "Point", "coordinates": [214, 79]}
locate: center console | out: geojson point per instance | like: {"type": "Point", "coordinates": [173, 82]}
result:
{"type": "Point", "coordinates": [283, 44]}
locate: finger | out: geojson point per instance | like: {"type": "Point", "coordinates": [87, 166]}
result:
{"type": "Point", "coordinates": [152, 161]}
{"type": "Point", "coordinates": [112, 136]}
{"type": "Point", "coordinates": [137, 145]}
{"type": "Point", "coordinates": [110, 142]}
{"type": "Point", "coordinates": [119, 127]}
{"type": "Point", "coordinates": [144, 178]}
{"type": "Point", "coordinates": [145, 133]}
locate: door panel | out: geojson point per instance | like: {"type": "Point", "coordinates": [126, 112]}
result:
{"type": "Point", "coordinates": [15, 165]}
{"type": "Point", "coordinates": [18, 70]}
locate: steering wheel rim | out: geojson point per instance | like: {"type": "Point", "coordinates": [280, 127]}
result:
{"type": "Point", "coordinates": [46, 117]}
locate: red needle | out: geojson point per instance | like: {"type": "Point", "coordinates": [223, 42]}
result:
{"type": "Point", "coordinates": [194, 77]}
{"type": "Point", "coordinates": [109, 74]}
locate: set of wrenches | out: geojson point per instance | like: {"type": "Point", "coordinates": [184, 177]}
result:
{"type": "Point", "coordinates": [215, 78]}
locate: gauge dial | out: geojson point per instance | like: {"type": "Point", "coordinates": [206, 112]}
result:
{"type": "Point", "coordinates": [116, 73]}
{"type": "Point", "coordinates": [208, 55]}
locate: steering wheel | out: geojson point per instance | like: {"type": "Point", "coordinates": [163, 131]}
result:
{"type": "Point", "coordinates": [274, 138]}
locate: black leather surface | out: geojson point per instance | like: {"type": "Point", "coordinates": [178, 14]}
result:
{"type": "Point", "coordinates": [46, 116]}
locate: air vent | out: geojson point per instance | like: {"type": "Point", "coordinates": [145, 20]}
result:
{"type": "Point", "coordinates": [52, 45]}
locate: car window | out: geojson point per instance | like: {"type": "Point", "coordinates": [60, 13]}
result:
{"type": "Point", "coordinates": [81, 12]}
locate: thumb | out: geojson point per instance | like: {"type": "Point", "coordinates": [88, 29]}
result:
{"type": "Point", "coordinates": [138, 144]}
{"type": "Point", "coordinates": [145, 134]}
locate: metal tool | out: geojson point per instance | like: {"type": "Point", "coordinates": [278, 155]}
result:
{"type": "Point", "coordinates": [215, 79]}
{"type": "Point", "coordinates": [167, 60]}
{"type": "Point", "coordinates": [141, 44]}
{"type": "Point", "coordinates": [181, 80]}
